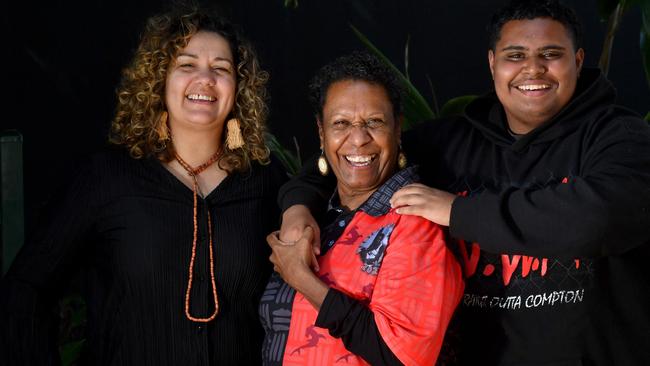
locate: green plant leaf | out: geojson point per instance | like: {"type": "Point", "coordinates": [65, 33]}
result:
{"type": "Point", "coordinates": [77, 308]}
{"type": "Point", "coordinates": [456, 106]}
{"type": "Point", "coordinates": [416, 109]}
{"type": "Point", "coordinates": [645, 53]}
{"type": "Point", "coordinates": [289, 160]}
{"type": "Point", "coordinates": [605, 8]}
{"type": "Point", "coordinates": [627, 4]}
{"type": "Point", "coordinates": [406, 57]}
{"type": "Point", "coordinates": [645, 15]}
{"type": "Point", "coordinates": [70, 352]}
{"type": "Point", "coordinates": [291, 3]}
{"type": "Point", "coordinates": [647, 117]}
{"type": "Point", "coordinates": [434, 98]}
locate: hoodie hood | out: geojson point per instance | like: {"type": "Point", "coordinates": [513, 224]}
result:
{"type": "Point", "coordinates": [593, 93]}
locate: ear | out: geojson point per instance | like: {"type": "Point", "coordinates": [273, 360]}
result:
{"type": "Point", "coordinates": [580, 58]}
{"type": "Point", "coordinates": [491, 62]}
{"type": "Point", "coordinates": [320, 132]}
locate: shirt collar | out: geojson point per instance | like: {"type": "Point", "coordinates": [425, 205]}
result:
{"type": "Point", "coordinates": [379, 201]}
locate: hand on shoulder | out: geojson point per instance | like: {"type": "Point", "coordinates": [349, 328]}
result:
{"type": "Point", "coordinates": [420, 200]}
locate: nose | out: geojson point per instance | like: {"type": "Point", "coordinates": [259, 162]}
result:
{"type": "Point", "coordinates": [207, 77]}
{"type": "Point", "coordinates": [359, 134]}
{"type": "Point", "coordinates": [535, 66]}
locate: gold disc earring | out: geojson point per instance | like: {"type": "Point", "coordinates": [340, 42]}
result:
{"type": "Point", "coordinates": [323, 167]}
{"type": "Point", "coordinates": [402, 162]}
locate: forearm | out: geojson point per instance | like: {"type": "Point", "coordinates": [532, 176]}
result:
{"type": "Point", "coordinates": [311, 287]}
{"type": "Point", "coordinates": [578, 219]}
{"type": "Point", "coordinates": [602, 207]}
{"type": "Point", "coordinates": [354, 323]}
{"type": "Point", "coordinates": [343, 316]}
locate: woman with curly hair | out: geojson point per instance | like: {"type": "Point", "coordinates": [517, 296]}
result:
{"type": "Point", "coordinates": [169, 224]}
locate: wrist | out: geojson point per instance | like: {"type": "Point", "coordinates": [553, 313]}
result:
{"type": "Point", "coordinates": [297, 209]}
{"type": "Point", "coordinates": [449, 210]}
{"type": "Point", "coordinates": [300, 276]}
{"type": "Point", "coordinates": [313, 289]}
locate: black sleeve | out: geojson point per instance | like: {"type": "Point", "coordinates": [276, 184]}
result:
{"type": "Point", "coordinates": [354, 323]}
{"type": "Point", "coordinates": [308, 188]}
{"type": "Point", "coordinates": [603, 210]}
{"type": "Point", "coordinates": [30, 289]}
{"type": "Point", "coordinates": [278, 177]}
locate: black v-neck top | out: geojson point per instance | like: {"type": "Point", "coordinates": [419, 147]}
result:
{"type": "Point", "coordinates": [127, 224]}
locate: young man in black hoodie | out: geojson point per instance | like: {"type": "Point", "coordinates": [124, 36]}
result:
{"type": "Point", "coordinates": [546, 184]}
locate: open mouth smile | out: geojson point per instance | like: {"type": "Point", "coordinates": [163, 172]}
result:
{"type": "Point", "coordinates": [201, 98]}
{"type": "Point", "coordinates": [533, 87]}
{"type": "Point", "coordinates": [360, 160]}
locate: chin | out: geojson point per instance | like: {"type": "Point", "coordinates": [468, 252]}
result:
{"type": "Point", "coordinates": [364, 184]}
{"type": "Point", "coordinates": [205, 122]}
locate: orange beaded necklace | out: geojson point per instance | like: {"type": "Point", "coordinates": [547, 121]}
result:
{"type": "Point", "coordinates": [194, 172]}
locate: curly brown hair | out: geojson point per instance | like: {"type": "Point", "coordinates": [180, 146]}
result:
{"type": "Point", "coordinates": [138, 124]}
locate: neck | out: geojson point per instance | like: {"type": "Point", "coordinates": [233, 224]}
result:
{"type": "Point", "coordinates": [352, 200]}
{"type": "Point", "coordinates": [517, 129]}
{"type": "Point", "coordinates": [196, 147]}
{"type": "Point", "coordinates": [521, 126]}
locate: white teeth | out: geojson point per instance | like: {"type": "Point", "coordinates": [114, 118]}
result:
{"type": "Point", "coordinates": [201, 97]}
{"type": "Point", "coordinates": [359, 159]}
{"type": "Point", "coordinates": [533, 87]}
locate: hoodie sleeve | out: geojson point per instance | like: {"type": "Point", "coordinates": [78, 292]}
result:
{"type": "Point", "coordinates": [308, 188]}
{"type": "Point", "coordinates": [603, 210]}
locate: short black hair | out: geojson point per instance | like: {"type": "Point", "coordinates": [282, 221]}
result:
{"type": "Point", "coordinates": [361, 66]}
{"type": "Point", "coordinates": [532, 9]}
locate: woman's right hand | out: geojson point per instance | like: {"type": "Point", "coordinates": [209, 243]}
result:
{"type": "Point", "coordinates": [295, 220]}
{"type": "Point", "coordinates": [292, 262]}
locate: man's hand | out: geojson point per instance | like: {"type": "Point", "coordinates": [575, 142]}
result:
{"type": "Point", "coordinates": [420, 200]}
{"type": "Point", "coordinates": [295, 220]}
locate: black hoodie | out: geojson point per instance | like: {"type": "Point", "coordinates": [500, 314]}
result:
{"type": "Point", "coordinates": [554, 227]}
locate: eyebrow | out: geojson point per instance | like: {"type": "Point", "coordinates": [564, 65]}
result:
{"type": "Point", "coordinates": [346, 115]}
{"type": "Point", "coordinates": [522, 48]}
{"type": "Point", "coordinates": [191, 55]}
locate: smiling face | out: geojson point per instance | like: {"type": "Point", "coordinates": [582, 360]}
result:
{"type": "Point", "coordinates": [535, 70]}
{"type": "Point", "coordinates": [200, 85]}
{"type": "Point", "coordinates": [360, 138]}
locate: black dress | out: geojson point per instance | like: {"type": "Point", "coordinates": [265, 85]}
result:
{"type": "Point", "coordinates": [127, 224]}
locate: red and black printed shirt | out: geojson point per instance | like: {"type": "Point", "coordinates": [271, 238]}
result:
{"type": "Point", "coordinates": [394, 286]}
